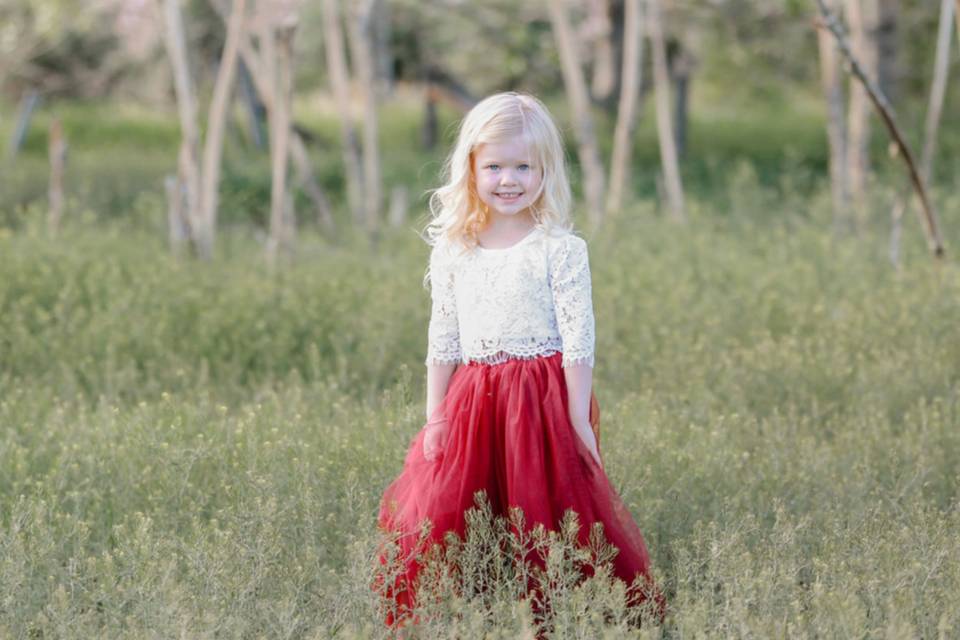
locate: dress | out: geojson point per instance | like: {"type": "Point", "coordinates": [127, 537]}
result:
{"type": "Point", "coordinates": [512, 318]}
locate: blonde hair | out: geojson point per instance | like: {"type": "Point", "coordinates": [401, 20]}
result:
{"type": "Point", "coordinates": [457, 214]}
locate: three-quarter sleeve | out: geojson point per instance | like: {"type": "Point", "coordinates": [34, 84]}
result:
{"type": "Point", "coordinates": [572, 300]}
{"type": "Point", "coordinates": [443, 336]}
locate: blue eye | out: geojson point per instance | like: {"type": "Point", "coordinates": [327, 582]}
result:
{"type": "Point", "coordinates": [493, 167]}
{"type": "Point", "coordinates": [524, 167]}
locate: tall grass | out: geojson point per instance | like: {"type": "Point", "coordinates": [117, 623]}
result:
{"type": "Point", "coordinates": [198, 450]}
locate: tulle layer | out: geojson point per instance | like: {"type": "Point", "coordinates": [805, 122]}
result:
{"type": "Point", "coordinates": [510, 436]}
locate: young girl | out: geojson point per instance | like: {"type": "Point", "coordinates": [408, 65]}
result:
{"type": "Point", "coordinates": [510, 349]}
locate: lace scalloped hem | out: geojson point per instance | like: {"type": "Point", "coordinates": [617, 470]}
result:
{"type": "Point", "coordinates": [504, 356]}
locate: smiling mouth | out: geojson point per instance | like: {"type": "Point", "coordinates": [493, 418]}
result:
{"type": "Point", "coordinates": [508, 196]}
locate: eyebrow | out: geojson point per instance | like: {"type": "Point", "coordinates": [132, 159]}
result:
{"type": "Point", "coordinates": [502, 161]}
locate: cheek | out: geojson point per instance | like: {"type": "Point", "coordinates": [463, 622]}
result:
{"type": "Point", "coordinates": [485, 183]}
{"type": "Point", "coordinates": [533, 182]}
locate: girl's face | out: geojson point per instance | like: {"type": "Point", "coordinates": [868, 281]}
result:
{"type": "Point", "coordinates": [507, 178]}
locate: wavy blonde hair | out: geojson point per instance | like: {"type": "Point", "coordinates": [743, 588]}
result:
{"type": "Point", "coordinates": [455, 207]}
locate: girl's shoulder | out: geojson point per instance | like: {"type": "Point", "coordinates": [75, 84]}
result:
{"type": "Point", "coordinates": [442, 247]}
{"type": "Point", "coordinates": [561, 242]}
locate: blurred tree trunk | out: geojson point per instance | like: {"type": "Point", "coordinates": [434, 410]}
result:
{"type": "Point", "coordinates": [177, 228]}
{"type": "Point", "coordinates": [361, 42]}
{"type": "Point", "coordinates": [340, 85]}
{"type": "Point", "coordinates": [681, 67]}
{"type": "Point", "coordinates": [929, 217]}
{"type": "Point", "coordinates": [399, 205]}
{"type": "Point", "coordinates": [583, 129]}
{"type": "Point", "coordinates": [862, 18]}
{"type": "Point", "coordinates": [429, 131]}
{"type": "Point", "coordinates": [306, 177]}
{"type": "Point", "coordinates": [276, 43]}
{"type": "Point", "coordinates": [58, 156]}
{"type": "Point", "coordinates": [28, 104]}
{"type": "Point", "coordinates": [956, 15]}
{"type": "Point", "coordinates": [665, 131]}
{"type": "Point", "coordinates": [217, 120]}
{"type": "Point", "coordinates": [938, 88]}
{"type": "Point", "coordinates": [836, 133]}
{"type": "Point", "coordinates": [380, 33]}
{"type": "Point", "coordinates": [201, 183]}
{"type": "Point", "coordinates": [888, 48]}
{"type": "Point", "coordinates": [252, 106]}
{"type": "Point", "coordinates": [600, 36]}
{"type": "Point", "coordinates": [627, 109]}
{"type": "Point", "coordinates": [188, 163]}
{"type": "Point", "coordinates": [307, 180]}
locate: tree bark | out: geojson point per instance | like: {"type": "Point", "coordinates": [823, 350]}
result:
{"type": "Point", "coordinates": [681, 69]}
{"type": "Point", "coordinates": [627, 109]}
{"type": "Point", "coordinates": [360, 41]}
{"type": "Point", "coordinates": [189, 167]}
{"type": "Point", "coordinates": [340, 85]}
{"type": "Point", "coordinates": [58, 156]}
{"type": "Point", "coordinates": [934, 240]}
{"type": "Point", "coordinates": [583, 129]}
{"type": "Point", "coordinates": [399, 205]}
{"type": "Point", "coordinates": [603, 79]}
{"type": "Point", "coordinates": [862, 17]}
{"type": "Point", "coordinates": [177, 230]}
{"type": "Point", "coordinates": [956, 15]}
{"type": "Point", "coordinates": [665, 132]}
{"type": "Point", "coordinates": [216, 123]}
{"type": "Point", "coordinates": [938, 89]}
{"type": "Point", "coordinates": [931, 125]}
{"type": "Point", "coordinates": [277, 46]}
{"type": "Point", "coordinates": [306, 176]}
{"type": "Point", "coordinates": [836, 133]}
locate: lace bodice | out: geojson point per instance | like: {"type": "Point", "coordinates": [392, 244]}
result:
{"type": "Point", "coordinates": [527, 300]}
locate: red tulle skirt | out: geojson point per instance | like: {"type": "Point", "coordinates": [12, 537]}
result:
{"type": "Point", "coordinates": [509, 436]}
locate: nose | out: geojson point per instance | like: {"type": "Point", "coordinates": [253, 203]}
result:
{"type": "Point", "coordinates": [507, 177]}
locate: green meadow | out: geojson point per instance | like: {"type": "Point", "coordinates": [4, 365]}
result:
{"type": "Point", "coordinates": [197, 450]}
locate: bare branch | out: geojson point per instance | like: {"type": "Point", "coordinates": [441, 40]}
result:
{"type": "Point", "coordinates": [880, 101]}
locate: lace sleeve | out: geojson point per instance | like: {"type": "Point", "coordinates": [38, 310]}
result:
{"type": "Point", "coordinates": [572, 300]}
{"type": "Point", "coordinates": [443, 336]}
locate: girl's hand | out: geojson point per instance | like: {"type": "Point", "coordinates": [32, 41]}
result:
{"type": "Point", "coordinates": [434, 437]}
{"type": "Point", "coordinates": [585, 433]}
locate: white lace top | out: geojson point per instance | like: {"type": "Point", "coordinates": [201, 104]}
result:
{"type": "Point", "coordinates": [531, 299]}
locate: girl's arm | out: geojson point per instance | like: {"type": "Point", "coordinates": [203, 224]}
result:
{"type": "Point", "coordinates": [579, 378]}
{"type": "Point", "coordinates": [435, 431]}
{"type": "Point", "coordinates": [573, 304]}
{"type": "Point", "coordinates": [438, 378]}
{"type": "Point", "coordinates": [443, 350]}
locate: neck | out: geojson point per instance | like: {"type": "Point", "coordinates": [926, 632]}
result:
{"type": "Point", "coordinates": [518, 222]}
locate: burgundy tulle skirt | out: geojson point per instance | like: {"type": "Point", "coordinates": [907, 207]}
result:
{"type": "Point", "coordinates": [510, 436]}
